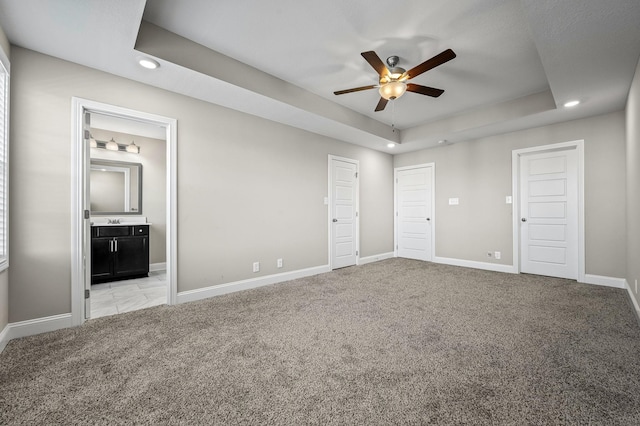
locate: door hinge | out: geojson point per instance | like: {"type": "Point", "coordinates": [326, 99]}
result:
{"type": "Point", "coordinates": [356, 174]}
{"type": "Point", "coordinates": [396, 213]}
{"type": "Point", "coordinates": [86, 294]}
{"type": "Point", "coordinates": [396, 180]}
{"type": "Point", "coordinates": [356, 214]}
{"type": "Point", "coordinates": [396, 247]}
{"type": "Point", "coordinates": [87, 214]}
{"type": "Point", "coordinates": [357, 253]}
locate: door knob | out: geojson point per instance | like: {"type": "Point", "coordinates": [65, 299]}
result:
{"type": "Point", "coordinates": [524, 219]}
{"type": "Point", "coordinates": [428, 219]}
{"type": "Point", "coordinates": [335, 220]}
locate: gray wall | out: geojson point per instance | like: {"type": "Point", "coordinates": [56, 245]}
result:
{"type": "Point", "coordinates": [633, 184]}
{"type": "Point", "coordinates": [248, 189]}
{"type": "Point", "coordinates": [479, 173]}
{"type": "Point", "coordinates": [4, 276]}
{"type": "Point", "coordinates": [153, 158]}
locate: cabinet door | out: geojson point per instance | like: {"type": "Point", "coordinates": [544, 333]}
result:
{"type": "Point", "coordinates": [100, 258]}
{"type": "Point", "coordinates": [131, 256]}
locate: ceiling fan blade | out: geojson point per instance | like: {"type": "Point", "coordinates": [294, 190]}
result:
{"type": "Point", "coordinates": [437, 60]}
{"type": "Point", "coordinates": [375, 61]}
{"type": "Point", "coordinates": [381, 104]}
{"type": "Point", "coordinates": [424, 90]}
{"type": "Point", "coordinates": [355, 89]}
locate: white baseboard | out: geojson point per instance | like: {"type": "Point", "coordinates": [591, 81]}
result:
{"type": "Point", "coordinates": [4, 338]}
{"type": "Point", "coordinates": [26, 328]}
{"type": "Point", "coordinates": [375, 258]}
{"type": "Point", "coordinates": [510, 269]}
{"type": "Point", "coordinates": [633, 298]}
{"type": "Point", "coordinates": [217, 290]}
{"type": "Point", "coordinates": [158, 266]}
{"type": "Point", "coordinates": [605, 281]}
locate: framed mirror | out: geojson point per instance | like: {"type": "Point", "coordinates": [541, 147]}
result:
{"type": "Point", "coordinates": [115, 187]}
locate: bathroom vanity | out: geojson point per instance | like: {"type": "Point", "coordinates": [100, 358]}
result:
{"type": "Point", "coordinates": [119, 251]}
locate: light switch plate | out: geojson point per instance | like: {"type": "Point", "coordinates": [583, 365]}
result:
{"type": "Point", "coordinates": [508, 199]}
{"type": "Point", "coordinates": [454, 201]}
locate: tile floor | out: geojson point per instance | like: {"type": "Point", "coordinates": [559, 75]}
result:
{"type": "Point", "coordinates": [128, 295]}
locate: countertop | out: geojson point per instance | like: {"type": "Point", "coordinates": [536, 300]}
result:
{"type": "Point", "coordinates": [119, 224]}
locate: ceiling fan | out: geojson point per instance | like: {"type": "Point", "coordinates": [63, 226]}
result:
{"type": "Point", "coordinates": [393, 79]}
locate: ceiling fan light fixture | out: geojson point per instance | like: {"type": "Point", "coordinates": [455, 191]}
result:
{"type": "Point", "coordinates": [393, 90]}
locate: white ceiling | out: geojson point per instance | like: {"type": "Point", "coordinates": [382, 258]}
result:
{"type": "Point", "coordinates": [517, 61]}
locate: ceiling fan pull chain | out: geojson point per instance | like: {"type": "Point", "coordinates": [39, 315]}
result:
{"type": "Point", "coordinates": [393, 116]}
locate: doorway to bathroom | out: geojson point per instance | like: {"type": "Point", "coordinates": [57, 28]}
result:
{"type": "Point", "coordinates": [123, 210]}
{"type": "Point", "coordinates": [127, 180]}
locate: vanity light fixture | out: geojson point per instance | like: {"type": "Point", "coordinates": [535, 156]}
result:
{"type": "Point", "coordinates": [92, 141]}
{"type": "Point", "coordinates": [571, 104]}
{"type": "Point", "coordinates": [115, 146]}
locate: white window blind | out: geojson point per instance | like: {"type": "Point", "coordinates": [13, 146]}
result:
{"type": "Point", "coordinates": [4, 138]}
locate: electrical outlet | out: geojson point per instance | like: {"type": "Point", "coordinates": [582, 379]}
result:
{"type": "Point", "coordinates": [279, 263]}
{"type": "Point", "coordinates": [489, 254]}
{"type": "Point", "coordinates": [497, 255]}
{"type": "Point", "coordinates": [256, 266]}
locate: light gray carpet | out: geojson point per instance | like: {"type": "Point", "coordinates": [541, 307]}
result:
{"type": "Point", "coordinates": [394, 342]}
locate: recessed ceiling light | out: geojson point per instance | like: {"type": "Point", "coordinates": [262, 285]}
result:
{"type": "Point", "coordinates": [148, 63]}
{"type": "Point", "coordinates": [571, 104]}
{"type": "Point", "coordinates": [391, 145]}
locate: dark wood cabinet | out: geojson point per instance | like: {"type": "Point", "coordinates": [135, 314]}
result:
{"type": "Point", "coordinates": [119, 252]}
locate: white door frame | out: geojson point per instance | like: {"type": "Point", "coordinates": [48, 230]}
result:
{"type": "Point", "coordinates": [578, 145]}
{"type": "Point", "coordinates": [433, 205]}
{"type": "Point", "coordinates": [330, 205]}
{"type": "Point", "coordinates": [78, 168]}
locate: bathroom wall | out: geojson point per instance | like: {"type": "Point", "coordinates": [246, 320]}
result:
{"type": "Point", "coordinates": [153, 158]}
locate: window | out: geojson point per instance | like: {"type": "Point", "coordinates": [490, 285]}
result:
{"type": "Point", "coordinates": [4, 160]}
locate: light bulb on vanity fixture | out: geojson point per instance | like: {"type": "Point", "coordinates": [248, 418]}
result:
{"type": "Point", "coordinates": [112, 145]}
{"type": "Point", "coordinates": [133, 148]}
{"type": "Point", "coordinates": [92, 141]}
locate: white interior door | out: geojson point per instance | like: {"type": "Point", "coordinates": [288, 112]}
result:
{"type": "Point", "coordinates": [414, 190]}
{"type": "Point", "coordinates": [549, 213]}
{"type": "Point", "coordinates": [344, 175]}
{"type": "Point", "coordinates": [86, 223]}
